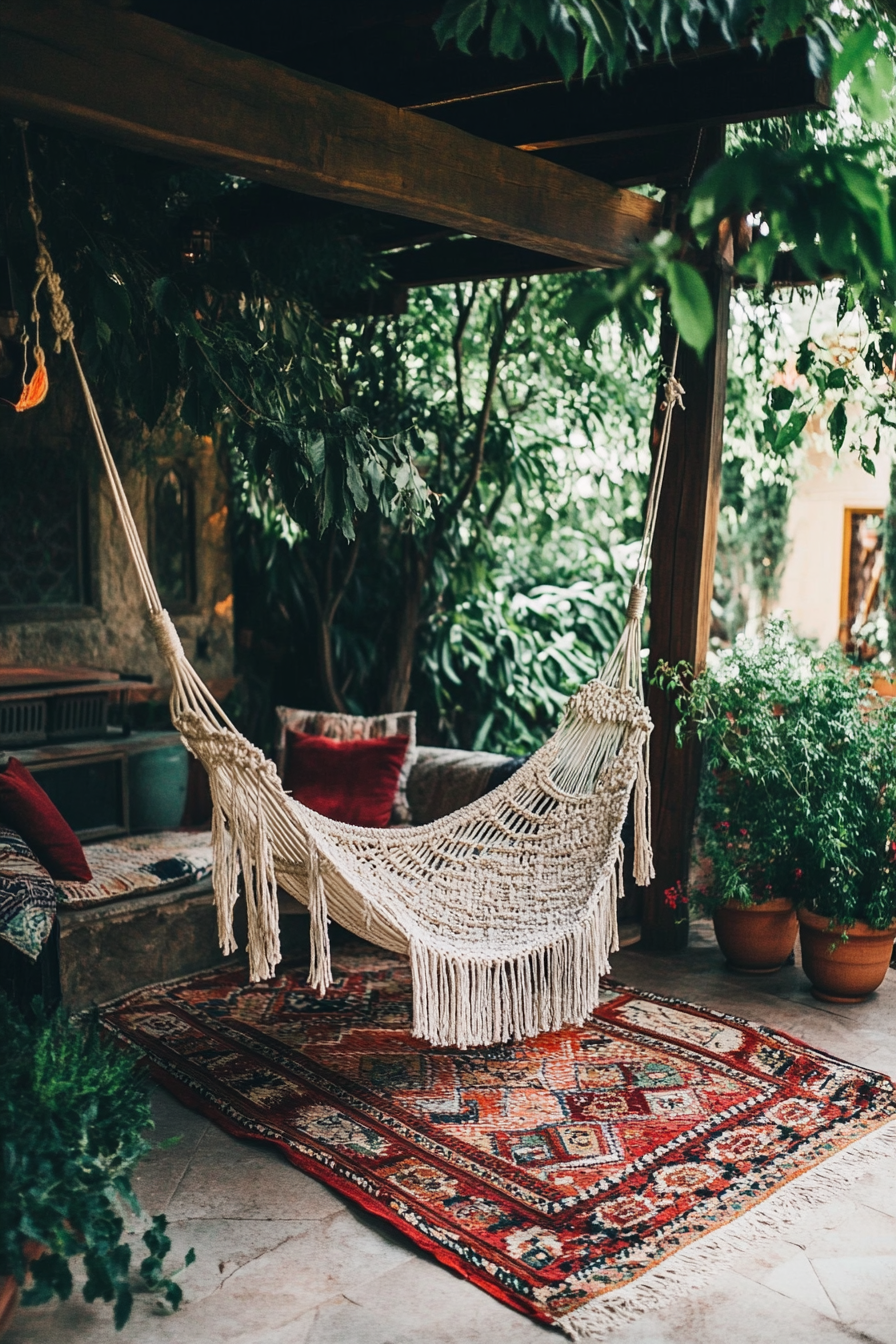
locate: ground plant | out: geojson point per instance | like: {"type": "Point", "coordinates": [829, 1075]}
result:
{"type": "Point", "coordinates": [74, 1112]}
{"type": "Point", "coordinates": [798, 797]}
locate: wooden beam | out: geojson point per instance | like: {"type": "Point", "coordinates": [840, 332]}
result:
{"type": "Point", "coordinates": [137, 82]}
{"type": "Point", "coordinates": [681, 586]}
{"type": "Point", "coordinates": [455, 259]}
{"type": "Point", "coordinates": [713, 90]}
{"type": "Point", "coordinates": [664, 160]}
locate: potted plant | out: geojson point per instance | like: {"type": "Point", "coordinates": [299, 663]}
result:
{"type": "Point", "coordinates": [73, 1115]}
{"type": "Point", "coordinates": [848, 923]}
{"type": "Point", "coordinates": [791, 801]}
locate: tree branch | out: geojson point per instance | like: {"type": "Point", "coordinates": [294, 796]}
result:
{"type": "Point", "coordinates": [464, 309]}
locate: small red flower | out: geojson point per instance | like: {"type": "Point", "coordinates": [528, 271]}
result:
{"type": "Point", "coordinates": [675, 896]}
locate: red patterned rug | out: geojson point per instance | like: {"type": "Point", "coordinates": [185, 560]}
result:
{"type": "Point", "coordinates": [579, 1177]}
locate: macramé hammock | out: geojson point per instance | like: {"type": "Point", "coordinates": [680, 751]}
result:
{"type": "Point", "coordinates": [507, 908]}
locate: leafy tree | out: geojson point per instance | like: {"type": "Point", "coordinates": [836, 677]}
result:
{"type": "Point", "coordinates": [535, 449]}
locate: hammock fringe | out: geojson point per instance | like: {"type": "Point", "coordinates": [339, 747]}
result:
{"type": "Point", "coordinates": [467, 1001]}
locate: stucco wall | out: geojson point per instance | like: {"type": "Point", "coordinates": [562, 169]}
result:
{"type": "Point", "coordinates": [810, 586]}
{"type": "Point", "coordinates": [112, 632]}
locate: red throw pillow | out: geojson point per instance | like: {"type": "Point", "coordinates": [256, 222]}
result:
{"type": "Point", "coordinates": [25, 808]}
{"type": "Point", "coordinates": [353, 781]}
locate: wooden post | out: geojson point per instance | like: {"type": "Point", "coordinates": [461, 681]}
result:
{"type": "Point", "coordinates": [684, 553]}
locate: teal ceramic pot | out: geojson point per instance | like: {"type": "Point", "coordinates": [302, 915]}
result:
{"type": "Point", "coordinates": [157, 787]}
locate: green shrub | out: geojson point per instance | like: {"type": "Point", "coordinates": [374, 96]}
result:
{"type": "Point", "coordinates": [798, 794]}
{"type": "Point", "coordinates": [73, 1112]}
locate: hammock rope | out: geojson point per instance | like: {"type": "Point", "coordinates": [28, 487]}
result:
{"type": "Point", "coordinates": [506, 909]}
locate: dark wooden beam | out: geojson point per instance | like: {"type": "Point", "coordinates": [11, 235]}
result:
{"type": "Point", "coordinates": [714, 90]}
{"type": "Point", "coordinates": [132, 80]}
{"type": "Point", "coordinates": [681, 586]}
{"type": "Point", "coordinates": [455, 259]}
{"type": "Point", "coordinates": [664, 160]}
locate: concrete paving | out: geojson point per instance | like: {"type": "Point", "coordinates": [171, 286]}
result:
{"type": "Point", "coordinates": [281, 1259]}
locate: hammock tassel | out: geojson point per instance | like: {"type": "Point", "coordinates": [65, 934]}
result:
{"type": "Point", "coordinates": [644, 871]}
{"type": "Point", "coordinates": [319, 972]}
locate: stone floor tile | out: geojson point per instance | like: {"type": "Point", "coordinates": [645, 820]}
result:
{"type": "Point", "coordinates": [865, 1231]}
{"type": "Point", "coordinates": [241, 1178]}
{"type": "Point", "coordinates": [877, 1189]}
{"type": "Point", "coordinates": [731, 1309]}
{"type": "Point", "coordinates": [161, 1171]}
{"type": "Point", "coordinates": [766, 1256]}
{"type": "Point", "coordinates": [329, 1258]}
{"type": "Point", "coordinates": [224, 1245]}
{"type": "Point", "coordinates": [420, 1302]}
{"type": "Point", "coordinates": [861, 1288]}
{"type": "Point", "coordinates": [796, 1278]}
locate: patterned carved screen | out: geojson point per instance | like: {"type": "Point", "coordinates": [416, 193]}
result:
{"type": "Point", "coordinates": [44, 545]}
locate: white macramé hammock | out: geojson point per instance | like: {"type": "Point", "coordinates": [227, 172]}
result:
{"type": "Point", "coordinates": [507, 908]}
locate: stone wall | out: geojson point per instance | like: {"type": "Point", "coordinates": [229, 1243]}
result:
{"type": "Point", "coordinates": [111, 632]}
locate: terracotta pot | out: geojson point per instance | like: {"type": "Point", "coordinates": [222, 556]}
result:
{"type": "Point", "coordinates": [9, 1300]}
{"type": "Point", "coordinates": [852, 970]}
{"type": "Point", "coordinates": [756, 939]}
{"type": "Point", "coordinates": [9, 1289]}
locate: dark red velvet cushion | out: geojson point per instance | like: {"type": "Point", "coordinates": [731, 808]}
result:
{"type": "Point", "coordinates": [352, 781]}
{"type": "Point", "coordinates": [25, 808]}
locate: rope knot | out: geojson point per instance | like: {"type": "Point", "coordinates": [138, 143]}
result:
{"type": "Point", "coordinates": [167, 639]}
{"type": "Point", "coordinates": [637, 601]}
{"type": "Point", "coordinates": [674, 393]}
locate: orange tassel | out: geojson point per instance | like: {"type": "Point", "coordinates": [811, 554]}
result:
{"type": "Point", "coordinates": [36, 389]}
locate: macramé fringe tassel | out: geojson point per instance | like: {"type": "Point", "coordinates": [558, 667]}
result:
{"type": "Point", "coordinates": [683, 1274]}
{"type": "Point", "coordinates": [470, 1001]}
{"type": "Point", "coordinates": [241, 845]}
{"type": "Point", "coordinates": [319, 972]}
{"type": "Point", "coordinates": [644, 871]}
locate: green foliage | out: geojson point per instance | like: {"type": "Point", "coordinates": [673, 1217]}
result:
{"type": "Point", "coordinates": [607, 36]}
{"type": "Point", "coordinates": [73, 1111]}
{"type": "Point", "coordinates": [888, 595]}
{"type": "Point", "coordinates": [501, 663]}
{"type": "Point", "coordinates": [231, 335]}
{"type": "Point", "coordinates": [526, 588]}
{"type": "Point", "coordinates": [631, 295]}
{"type": "Point", "coordinates": [822, 199]}
{"type": "Point", "coordinates": [799, 789]}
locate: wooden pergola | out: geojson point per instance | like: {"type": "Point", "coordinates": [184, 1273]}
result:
{"type": "Point", "coordinates": [467, 167]}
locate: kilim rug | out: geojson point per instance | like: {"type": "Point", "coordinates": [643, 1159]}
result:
{"type": "Point", "coordinates": [580, 1177]}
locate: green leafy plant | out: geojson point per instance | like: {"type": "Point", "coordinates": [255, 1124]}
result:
{"type": "Point", "coordinates": [798, 797]}
{"type": "Point", "coordinates": [608, 36]}
{"type": "Point", "coordinates": [516, 589]}
{"type": "Point", "coordinates": [73, 1113]}
{"type": "Point", "coordinates": [821, 199]}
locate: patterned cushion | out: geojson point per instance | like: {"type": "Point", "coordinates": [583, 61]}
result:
{"type": "Point", "coordinates": [136, 864]}
{"type": "Point", "coordinates": [344, 727]}
{"type": "Point", "coordinates": [446, 779]}
{"type": "Point", "coordinates": [27, 896]}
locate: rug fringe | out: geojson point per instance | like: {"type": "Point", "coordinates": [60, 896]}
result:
{"type": "Point", "coordinates": [689, 1269]}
